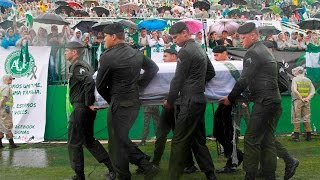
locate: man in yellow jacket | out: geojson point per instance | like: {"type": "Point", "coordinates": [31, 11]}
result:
{"type": "Point", "coordinates": [302, 90]}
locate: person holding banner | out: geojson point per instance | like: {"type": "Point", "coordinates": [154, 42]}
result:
{"type": "Point", "coordinates": [192, 72]}
{"type": "Point", "coordinates": [118, 82]}
{"type": "Point", "coordinates": [6, 103]}
{"type": "Point", "coordinates": [81, 124]}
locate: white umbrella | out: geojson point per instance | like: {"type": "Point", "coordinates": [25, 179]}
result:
{"type": "Point", "coordinates": [220, 26]}
{"type": "Point", "coordinates": [177, 8]}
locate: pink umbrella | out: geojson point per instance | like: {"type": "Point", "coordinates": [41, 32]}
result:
{"type": "Point", "coordinates": [193, 25]}
{"type": "Point", "coordinates": [220, 26]}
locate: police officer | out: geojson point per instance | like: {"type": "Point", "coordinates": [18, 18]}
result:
{"type": "Point", "coordinates": [82, 118]}
{"type": "Point", "coordinates": [118, 82]}
{"type": "Point", "coordinates": [167, 123]}
{"type": "Point", "coordinates": [192, 71]}
{"type": "Point", "coordinates": [6, 103]}
{"type": "Point", "coordinates": [260, 76]}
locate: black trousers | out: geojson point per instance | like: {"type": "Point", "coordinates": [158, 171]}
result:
{"type": "Point", "coordinates": [122, 150]}
{"type": "Point", "coordinates": [189, 133]}
{"type": "Point", "coordinates": [80, 133]}
{"type": "Point", "coordinates": [166, 124]}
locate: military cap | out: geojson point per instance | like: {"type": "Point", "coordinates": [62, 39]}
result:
{"type": "Point", "coordinates": [171, 51]}
{"type": "Point", "coordinates": [74, 45]}
{"type": "Point", "coordinates": [269, 44]}
{"type": "Point", "coordinates": [178, 28]}
{"type": "Point", "coordinates": [219, 49]}
{"type": "Point", "coordinates": [113, 28]}
{"type": "Point", "coordinates": [246, 28]}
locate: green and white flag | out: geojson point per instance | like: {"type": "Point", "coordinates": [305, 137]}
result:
{"type": "Point", "coordinates": [29, 19]}
{"type": "Point", "coordinates": [313, 64]}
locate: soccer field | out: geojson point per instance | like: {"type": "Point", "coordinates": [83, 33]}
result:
{"type": "Point", "coordinates": [48, 161]}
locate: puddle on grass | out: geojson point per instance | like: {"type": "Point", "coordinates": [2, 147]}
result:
{"type": "Point", "coordinates": [31, 157]}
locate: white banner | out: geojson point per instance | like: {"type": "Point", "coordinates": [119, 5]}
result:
{"type": "Point", "coordinates": [29, 91]}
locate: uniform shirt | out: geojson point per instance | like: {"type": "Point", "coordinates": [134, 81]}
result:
{"type": "Point", "coordinates": [119, 76]}
{"type": "Point", "coordinates": [81, 83]}
{"type": "Point", "coordinates": [6, 91]}
{"type": "Point", "coordinates": [193, 70]}
{"type": "Point", "coordinates": [260, 75]}
{"type": "Point", "coordinates": [294, 90]}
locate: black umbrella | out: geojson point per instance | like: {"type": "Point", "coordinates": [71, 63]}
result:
{"type": "Point", "coordinates": [240, 2]}
{"type": "Point", "coordinates": [128, 23]}
{"type": "Point", "coordinates": [316, 15]}
{"type": "Point", "coordinates": [164, 8]}
{"type": "Point", "coordinates": [226, 2]}
{"type": "Point", "coordinates": [202, 4]}
{"type": "Point", "coordinates": [51, 18]}
{"type": "Point", "coordinates": [311, 24]}
{"type": "Point", "coordinates": [84, 26]}
{"type": "Point", "coordinates": [267, 30]}
{"type": "Point", "coordinates": [81, 13]}
{"type": "Point", "coordinates": [89, 2]}
{"type": "Point", "coordinates": [61, 3]}
{"type": "Point", "coordinates": [7, 23]}
{"type": "Point", "coordinates": [266, 10]}
{"type": "Point", "coordinates": [100, 26]}
{"type": "Point", "coordinates": [315, 4]}
{"type": "Point", "coordinates": [101, 10]}
{"type": "Point", "coordinates": [66, 9]}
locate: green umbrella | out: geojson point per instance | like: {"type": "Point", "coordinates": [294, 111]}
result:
{"type": "Point", "coordinates": [276, 9]}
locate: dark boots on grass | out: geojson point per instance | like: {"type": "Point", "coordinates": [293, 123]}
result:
{"type": "Point", "coordinates": [296, 138]}
{"type": "Point", "coordinates": [12, 145]}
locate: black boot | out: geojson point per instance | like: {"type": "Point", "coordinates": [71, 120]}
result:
{"type": "Point", "coordinates": [12, 144]}
{"type": "Point", "coordinates": [291, 166]}
{"type": "Point", "coordinates": [296, 137]}
{"type": "Point", "coordinates": [308, 138]}
{"type": "Point", "coordinates": [1, 146]}
{"type": "Point", "coordinates": [210, 176]}
{"type": "Point", "coordinates": [250, 176]}
{"type": "Point", "coordinates": [270, 176]}
{"type": "Point", "coordinates": [78, 177]}
{"type": "Point", "coordinates": [111, 174]}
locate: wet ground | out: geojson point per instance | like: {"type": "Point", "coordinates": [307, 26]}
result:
{"type": "Point", "coordinates": [50, 161]}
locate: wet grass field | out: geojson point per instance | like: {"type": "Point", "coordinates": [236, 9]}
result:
{"type": "Point", "coordinates": [47, 161]}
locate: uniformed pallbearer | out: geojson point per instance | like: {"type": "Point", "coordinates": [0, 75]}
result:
{"type": "Point", "coordinates": [260, 75]}
{"type": "Point", "coordinates": [192, 72]}
{"type": "Point", "coordinates": [118, 82]}
{"type": "Point", "coordinates": [82, 118]}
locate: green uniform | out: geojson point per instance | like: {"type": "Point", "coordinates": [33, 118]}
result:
{"type": "Point", "coordinates": [6, 123]}
{"type": "Point", "coordinates": [260, 76]}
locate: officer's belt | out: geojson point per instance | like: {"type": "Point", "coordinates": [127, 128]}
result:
{"type": "Point", "coordinates": [79, 105]}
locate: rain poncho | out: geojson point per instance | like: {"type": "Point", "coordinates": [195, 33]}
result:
{"type": "Point", "coordinates": [9, 40]}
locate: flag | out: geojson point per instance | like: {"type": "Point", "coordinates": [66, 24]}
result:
{"type": "Point", "coordinates": [29, 19]}
{"type": "Point", "coordinates": [313, 65]}
{"type": "Point", "coordinates": [24, 54]}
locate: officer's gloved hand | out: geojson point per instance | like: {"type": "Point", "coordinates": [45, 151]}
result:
{"type": "Point", "coordinates": [7, 108]}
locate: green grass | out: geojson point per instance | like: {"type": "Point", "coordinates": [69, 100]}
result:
{"type": "Point", "coordinates": [50, 162]}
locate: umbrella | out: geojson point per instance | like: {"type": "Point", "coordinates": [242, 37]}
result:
{"type": "Point", "coordinates": [84, 26]}
{"type": "Point", "coordinates": [267, 30]}
{"type": "Point", "coordinates": [129, 7]}
{"type": "Point", "coordinates": [89, 2]}
{"type": "Point", "coordinates": [240, 2]}
{"type": "Point", "coordinates": [315, 4]}
{"type": "Point", "coordinates": [275, 9]}
{"type": "Point", "coordinates": [7, 3]}
{"type": "Point", "coordinates": [101, 25]}
{"type": "Point", "coordinates": [7, 23]}
{"type": "Point", "coordinates": [266, 10]}
{"type": "Point", "coordinates": [317, 15]}
{"type": "Point", "coordinates": [177, 8]}
{"type": "Point", "coordinates": [153, 24]}
{"type": "Point", "coordinates": [61, 3]}
{"type": "Point", "coordinates": [216, 7]}
{"type": "Point", "coordinates": [128, 23]}
{"type": "Point", "coordinates": [66, 9]}
{"type": "Point", "coordinates": [220, 26]}
{"type": "Point", "coordinates": [164, 8]}
{"type": "Point", "coordinates": [51, 18]}
{"type": "Point", "coordinates": [311, 24]}
{"type": "Point", "coordinates": [193, 25]}
{"type": "Point", "coordinates": [297, 9]}
{"type": "Point", "coordinates": [74, 4]}
{"type": "Point", "coordinates": [202, 4]}
{"type": "Point", "coordinates": [81, 13]}
{"type": "Point", "coordinates": [101, 10]}
{"type": "Point", "coordinates": [226, 2]}
{"type": "Point", "coordinates": [234, 11]}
